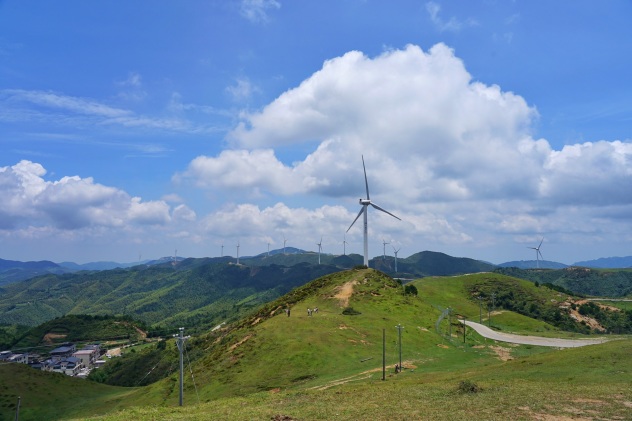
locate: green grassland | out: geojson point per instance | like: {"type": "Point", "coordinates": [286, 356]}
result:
{"type": "Point", "coordinates": [50, 396]}
{"type": "Point", "coordinates": [329, 366]}
{"type": "Point", "coordinates": [582, 383]}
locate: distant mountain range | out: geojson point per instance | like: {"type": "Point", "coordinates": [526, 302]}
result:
{"type": "Point", "coordinates": [532, 264]}
{"type": "Point", "coordinates": [417, 265]}
{"type": "Point", "coordinates": [607, 262]}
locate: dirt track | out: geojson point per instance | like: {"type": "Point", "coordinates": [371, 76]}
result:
{"type": "Point", "coordinates": [531, 340]}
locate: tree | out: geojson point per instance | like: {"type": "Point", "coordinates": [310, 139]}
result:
{"type": "Point", "coordinates": [410, 290]}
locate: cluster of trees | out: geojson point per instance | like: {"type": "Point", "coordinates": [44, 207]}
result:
{"type": "Point", "coordinates": [612, 320]}
{"type": "Point", "coordinates": [531, 302]}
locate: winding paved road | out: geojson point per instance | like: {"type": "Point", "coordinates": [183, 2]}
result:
{"type": "Point", "coordinates": [531, 340]}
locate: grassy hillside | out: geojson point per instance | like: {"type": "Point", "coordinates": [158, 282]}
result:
{"type": "Point", "coordinates": [79, 328]}
{"type": "Point", "coordinates": [586, 383]}
{"type": "Point", "coordinates": [580, 280]}
{"type": "Point", "coordinates": [328, 366]}
{"type": "Point", "coordinates": [192, 293]}
{"type": "Point", "coordinates": [50, 396]}
{"type": "Point", "coordinates": [195, 292]}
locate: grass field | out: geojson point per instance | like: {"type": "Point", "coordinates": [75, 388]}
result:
{"type": "Point", "coordinates": [329, 366]}
{"type": "Point", "coordinates": [584, 383]}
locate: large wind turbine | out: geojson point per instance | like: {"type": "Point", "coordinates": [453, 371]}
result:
{"type": "Point", "coordinates": [365, 204]}
{"type": "Point", "coordinates": [320, 247]}
{"type": "Point", "coordinates": [396, 251]}
{"type": "Point", "coordinates": [538, 254]}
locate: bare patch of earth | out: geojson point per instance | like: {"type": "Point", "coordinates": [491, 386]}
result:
{"type": "Point", "coordinates": [233, 347]}
{"type": "Point", "coordinates": [49, 338]}
{"type": "Point", "coordinates": [345, 292]}
{"type": "Point", "coordinates": [363, 375]}
{"type": "Point", "coordinates": [504, 354]}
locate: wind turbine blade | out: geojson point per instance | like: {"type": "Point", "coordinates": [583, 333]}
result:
{"type": "Point", "coordinates": [366, 181]}
{"type": "Point", "coordinates": [540, 253]}
{"type": "Point", "coordinates": [384, 210]}
{"type": "Point", "coordinates": [354, 221]}
{"type": "Point", "coordinates": [540, 243]}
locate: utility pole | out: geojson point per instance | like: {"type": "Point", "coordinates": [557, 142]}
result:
{"type": "Point", "coordinates": [180, 342]}
{"type": "Point", "coordinates": [493, 306]}
{"type": "Point", "coordinates": [399, 328]}
{"type": "Point", "coordinates": [17, 409]}
{"type": "Point", "coordinates": [450, 323]}
{"type": "Point", "coordinates": [480, 309]}
{"type": "Point", "coordinates": [383, 354]}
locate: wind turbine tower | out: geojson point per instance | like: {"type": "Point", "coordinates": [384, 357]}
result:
{"type": "Point", "coordinates": [384, 243]}
{"type": "Point", "coordinates": [222, 255]}
{"type": "Point", "coordinates": [365, 204]}
{"type": "Point", "coordinates": [268, 249]}
{"type": "Point", "coordinates": [284, 241]}
{"type": "Point", "coordinates": [320, 247]}
{"type": "Point", "coordinates": [175, 257]}
{"type": "Point", "coordinates": [237, 252]}
{"type": "Point", "coordinates": [344, 245]}
{"type": "Point", "coordinates": [396, 251]}
{"type": "Point", "coordinates": [538, 254]}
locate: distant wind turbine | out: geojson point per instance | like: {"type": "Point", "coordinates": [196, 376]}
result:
{"type": "Point", "coordinates": [396, 251]}
{"type": "Point", "coordinates": [284, 241]}
{"type": "Point", "coordinates": [175, 257]}
{"type": "Point", "coordinates": [344, 245]}
{"type": "Point", "coordinates": [384, 243]}
{"type": "Point", "coordinates": [365, 204]}
{"type": "Point", "coordinates": [268, 249]}
{"type": "Point", "coordinates": [320, 247]}
{"type": "Point", "coordinates": [538, 254]}
{"type": "Point", "coordinates": [237, 252]}
{"type": "Point", "coordinates": [222, 255]}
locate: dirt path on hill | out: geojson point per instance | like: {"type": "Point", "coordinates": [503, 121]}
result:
{"type": "Point", "coordinates": [345, 293]}
{"type": "Point", "coordinates": [531, 340]}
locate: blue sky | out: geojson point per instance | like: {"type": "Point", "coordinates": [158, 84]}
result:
{"type": "Point", "coordinates": [137, 128]}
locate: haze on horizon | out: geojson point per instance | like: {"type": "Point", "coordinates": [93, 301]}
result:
{"type": "Point", "coordinates": [135, 128]}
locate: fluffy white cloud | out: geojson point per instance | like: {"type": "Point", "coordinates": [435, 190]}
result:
{"type": "Point", "coordinates": [593, 174]}
{"type": "Point", "coordinates": [427, 131]}
{"type": "Point", "coordinates": [454, 157]}
{"type": "Point", "coordinates": [69, 203]}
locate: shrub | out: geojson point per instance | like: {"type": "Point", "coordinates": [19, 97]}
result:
{"type": "Point", "coordinates": [467, 386]}
{"type": "Point", "coordinates": [349, 311]}
{"type": "Point", "coordinates": [410, 290]}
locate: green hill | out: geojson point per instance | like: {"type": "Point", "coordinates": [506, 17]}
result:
{"type": "Point", "coordinates": [79, 328]}
{"type": "Point", "coordinates": [329, 365]}
{"type": "Point", "coordinates": [52, 396]}
{"type": "Point", "coordinates": [580, 280]}
{"type": "Point", "coordinates": [195, 292]}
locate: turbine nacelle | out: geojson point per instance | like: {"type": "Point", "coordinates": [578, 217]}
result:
{"type": "Point", "coordinates": [365, 202]}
